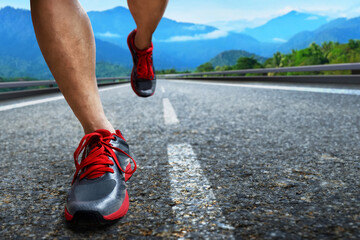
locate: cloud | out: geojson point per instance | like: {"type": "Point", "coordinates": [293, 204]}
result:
{"type": "Point", "coordinates": [352, 12]}
{"type": "Point", "coordinates": [108, 35]}
{"type": "Point", "coordinates": [312, 18]}
{"type": "Point", "coordinates": [238, 25]}
{"type": "Point", "coordinates": [280, 40]}
{"type": "Point", "coordinates": [212, 35]}
{"type": "Point", "coordinates": [286, 10]}
{"type": "Point", "coordinates": [195, 27]}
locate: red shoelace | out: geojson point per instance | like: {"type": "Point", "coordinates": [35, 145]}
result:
{"type": "Point", "coordinates": [96, 163]}
{"type": "Point", "coordinates": [144, 64]}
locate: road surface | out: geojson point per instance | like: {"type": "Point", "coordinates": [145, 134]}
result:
{"type": "Point", "coordinates": [215, 160]}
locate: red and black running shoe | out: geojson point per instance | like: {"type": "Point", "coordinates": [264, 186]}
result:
{"type": "Point", "coordinates": [98, 193]}
{"type": "Point", "coordinates": [143, 79]}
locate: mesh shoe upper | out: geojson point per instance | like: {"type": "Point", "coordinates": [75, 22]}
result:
{"type": "Point", "coordinates": [99, 181]}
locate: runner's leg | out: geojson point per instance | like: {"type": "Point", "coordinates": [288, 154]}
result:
{"type": "Point", "coordinates": [147, 15]}
{"type": "Point", "coordinates": [66, 39]}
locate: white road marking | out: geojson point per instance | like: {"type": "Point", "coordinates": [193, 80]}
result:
{"type": "Point", "coordinates": [191, 190]}
{"type": "Point", "coordinates": [44, 100]}
{"type": "Point", "coordinates": [29, 103]}
{"type": "Point", "coordinates": [103, 89]}
{"type": "Point", "coordinates": [287, 88]}
{"type": "Point", "coordinates": [169, 113]}
{"type": "Point", "coordinates": [162, 89]}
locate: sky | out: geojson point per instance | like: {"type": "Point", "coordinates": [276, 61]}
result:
{"type": "Point", "coordinates": [215, 11]}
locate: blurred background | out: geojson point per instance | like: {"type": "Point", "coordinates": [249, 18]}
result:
{"type": "Point", "coordinates": [198, 36]}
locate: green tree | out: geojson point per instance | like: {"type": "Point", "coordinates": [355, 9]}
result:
{"type": "Point", "coordinates": [353, 44]}
{"type": "Point", "coordinates": [327, 46]}
{"type": "Point", "coordinates": [166, 71]}
{"type": "Point", "coordinates": [247, 63]}
{"type": "Point", "coordinates": [223, 68]}
{"type": "Point", "coordinates": [277, 59]}
{"type": "Point", "coordinates": [206, 67]}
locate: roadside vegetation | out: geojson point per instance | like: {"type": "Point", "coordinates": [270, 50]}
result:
{"type": "Point", "coordinates": [326, 53]}
{"type": "Point", "coordinates": [170, 71]}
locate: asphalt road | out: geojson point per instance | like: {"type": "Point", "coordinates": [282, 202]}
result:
{"type": "Point", "coordinates": [214, 161]}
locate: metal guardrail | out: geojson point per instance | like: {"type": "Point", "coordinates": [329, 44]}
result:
{"type": "Point", "coordinates": [50, 86]}
{"type": "Point", "coordinates": [313, 68]}
{"type": "Point", "coordinates": [266, 74]}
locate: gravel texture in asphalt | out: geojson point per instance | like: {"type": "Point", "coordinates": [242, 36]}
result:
{"type": "Point", "coordinates": [267, 163]}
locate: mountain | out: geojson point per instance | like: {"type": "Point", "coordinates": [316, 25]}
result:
{"type": "Point", "coordinates": [108, 52]}
{"type": "Point", "coordinates": [20, 54]}
{"type": "Point", "coordinates": [197, 52]}
{"type": "Point", "coordinates": [19, 51]}
{"type": "Point", "coordinates": [339, 30]}
{"type": "Point", "coordinates": [230, 58]}
{"type": "Point", "coordinates": [238, 25]}
{"type": "Point", "coordinates": [282, 28]}
{"type": "Point", "coordinates": [115, 24]}
{"type": "Point", "coordinates": [17, 34]}
{"type": "Point", "coordinates": [177, 44]}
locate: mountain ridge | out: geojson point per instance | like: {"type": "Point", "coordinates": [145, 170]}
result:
{"type": "Point", "coordinates": [339, 30]}
{"type": "Point", "coordinates": [230, 57]}
{"type": "Point", "coordinates": [282, 28]}
{"type": "Point", "coordinates": [182, 46]}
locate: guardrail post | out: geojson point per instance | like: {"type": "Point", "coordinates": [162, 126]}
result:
{"type": "Point", "coordinates": [354, 72]}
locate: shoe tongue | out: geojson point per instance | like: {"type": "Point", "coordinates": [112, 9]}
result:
{"type": "Point", "coordinates": [94, 141]}
{"type": "Point", "coordinates": [104, 132]}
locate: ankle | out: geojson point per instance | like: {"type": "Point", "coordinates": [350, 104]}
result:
{"type": "Point", "coordinates": [142, 41]}
{"type": "Point", "coordinates": [91, 130]}
{"type": "Point", "coordinates": [96, 126]}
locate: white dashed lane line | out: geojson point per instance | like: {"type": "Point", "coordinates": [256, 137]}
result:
{"type": "Point", "coordinates": [103, 89]}
{"type": "Point", "coordinates": [195, 203]}
{"type": "Point", "coordinates": [162, 89]}
{"type": "Point", "coordinates": [48, 99]}
{"type": "Point", "coordinates": [169, 113]}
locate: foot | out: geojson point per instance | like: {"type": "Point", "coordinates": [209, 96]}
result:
{"type": "Point", "coordinates": [98, 193]}
{"type": "Point", "coordinates": [143, 79]}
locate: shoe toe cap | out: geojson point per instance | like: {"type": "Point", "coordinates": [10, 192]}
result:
{"type": "Point", "coordinates": [104, 197]}
{"type": "Point", "coordinates": [144, 87]}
